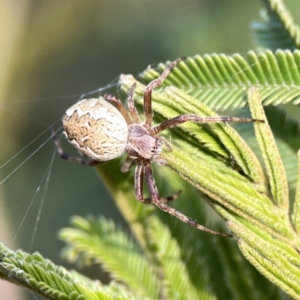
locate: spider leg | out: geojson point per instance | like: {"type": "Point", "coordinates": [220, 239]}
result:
{"type": "Point", "coordinates": [197, 119]}
{"type": "Point", "coordinates": [150, 181]}
{"type": "Point", "coordinates": [170, 210]}
{"type": "Point", "coordinates": [152, 85]}
{"type": "Point", "coordinates": [66, 156]}
{"type": "Point", "coordinates": [138, 186]}
{"type": "Point", "coordinates": [131, 106]}
{"type": "Point", "coordinates": [118, 104]}
{"type": "Point", "coordinates": [127, 164]}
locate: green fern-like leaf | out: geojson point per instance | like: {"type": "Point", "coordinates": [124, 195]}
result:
{"type": "Point", "coordinates": [197, 277]}
{"type": "Point", "coordinates": [222, 82]}
{"type": "Point", "coordinates": [130, 266]}
{"type": "Point", "coordinates": [53, 282]}
{"type": "Point", "coordinates": [101, 241]}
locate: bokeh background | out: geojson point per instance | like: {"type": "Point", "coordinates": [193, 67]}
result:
{"type": "Point", "coordinates": [52, 51]}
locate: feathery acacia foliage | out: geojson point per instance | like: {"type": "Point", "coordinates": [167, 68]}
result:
{"type": "Point", "coordinates": [41, 276]}
{"type": "Point", "coordinates": [222, 81]}
{"type": "Point", "coordinates": [249, 176]}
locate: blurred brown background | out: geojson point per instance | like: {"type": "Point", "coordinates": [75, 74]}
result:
{"type": "Point", "coordinates": [52, 51]}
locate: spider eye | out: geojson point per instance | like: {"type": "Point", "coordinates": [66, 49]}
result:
{"type": "Point", "coordinates": [96, 129]}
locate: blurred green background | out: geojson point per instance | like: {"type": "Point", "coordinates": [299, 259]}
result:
{"type": "Point", "coordinates": [53, 51]}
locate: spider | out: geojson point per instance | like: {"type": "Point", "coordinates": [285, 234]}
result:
{"type": "Point", "coordinates": [101, 131]}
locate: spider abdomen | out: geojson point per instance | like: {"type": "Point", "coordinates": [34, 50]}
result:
{"type": "Point", "coordinates": [96, 129]}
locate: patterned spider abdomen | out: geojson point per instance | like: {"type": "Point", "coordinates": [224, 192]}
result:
{"type": "Point", "coordinates": [96, 129]}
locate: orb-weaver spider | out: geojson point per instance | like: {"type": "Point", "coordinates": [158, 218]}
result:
{"type": "Point", "coordinates": [101, 132]}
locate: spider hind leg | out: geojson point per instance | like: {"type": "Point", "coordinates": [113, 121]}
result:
{"type": "Point", "coordinates": [159, 202]}
{"type": "Point", "coordinates": [64, 155]}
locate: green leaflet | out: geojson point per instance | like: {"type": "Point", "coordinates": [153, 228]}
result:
{"type": "Point", "coordinates": [277, 258]}
{"type": "Point", "coordinates": [271, 260]}
{"type": "Point", "coordinates": [266, 141]}
{"type": "Point", "coordinates": [296, 208]}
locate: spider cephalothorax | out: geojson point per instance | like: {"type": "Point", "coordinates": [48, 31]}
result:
{"type": "Point", "coordinates": [101, 132]}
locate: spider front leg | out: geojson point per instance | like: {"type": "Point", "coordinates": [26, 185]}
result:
{"type": "Point", "coordinates": [152, 85]}
{"type": "Point", "coordinates": [118, 104]}
{"type": "Point", "coordinates": [131, 106]}
{"type": "Point", "coordinates": [197, 119]}
{"type": "Point", "coordinates": [130, 103]}
{"type": "Point", "coordinates": [155, 199]}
